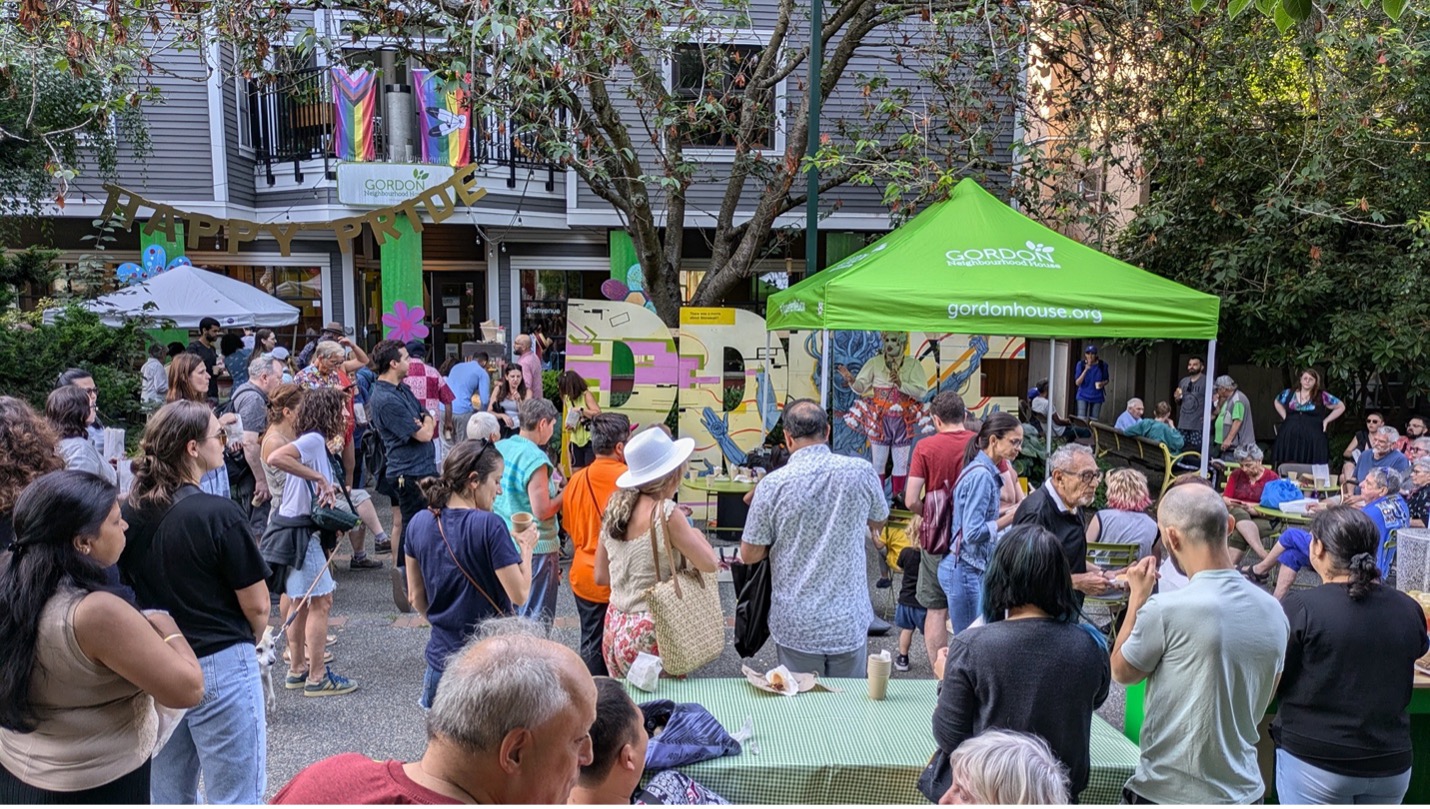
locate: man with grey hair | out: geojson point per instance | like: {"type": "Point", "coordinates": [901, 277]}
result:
{"type": "Point", "coordinates": [1232, 425]}
{"type": "Point", "coordinates": [1382, 455]}
{"type": "Point", "coordinates": [484, 425]}
{"type": "Point", "coordinates": [813, 518]}
{"type": "Point", "coordinates": [1132, 415]}
{"type": "Point", "coordinates": [250, 402]}
{"type": "Point", "coordinates": [1211, 654]}
{"type": "Point", "coordinates": [510, 725]}
{"type": "Point", "coordinates": [528, 484]}
{"type": "Point", "coordinates": [1059, 505]}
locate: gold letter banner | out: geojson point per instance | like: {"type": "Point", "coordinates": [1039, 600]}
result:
{"type": "Point", "coordinates": [439, 202]}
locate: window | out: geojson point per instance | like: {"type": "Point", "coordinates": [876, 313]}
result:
{"type": "Point", "coordinates": [297, 286]}
{"type": "Point", "coordinates": [543, 305]}
{"type": "Point", "coordinates": [718, 73]}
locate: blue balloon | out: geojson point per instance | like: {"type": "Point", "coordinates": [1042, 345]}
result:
{"type": "Point", "coordinates": [129, 273]}
{"type": "Point", "coordinates": [154, 258]}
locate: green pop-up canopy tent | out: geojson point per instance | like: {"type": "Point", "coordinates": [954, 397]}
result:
{"type": "Point", "coordinates": [973, 265]}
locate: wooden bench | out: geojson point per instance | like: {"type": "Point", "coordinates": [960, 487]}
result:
{"type": "Point", "coordinates": [1153, 456]}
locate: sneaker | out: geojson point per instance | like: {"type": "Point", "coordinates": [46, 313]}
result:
{"type": "Point", "coordinates": [364, 563]}
{"type": "Point", "coordinates": [331, 685]}
{"type": "Point", "coordinates": [382, 546]}
{"type": "Point", "coordinates": [901, 663]}
{"type": "Point", "coordinates": [295, 681]}
{"type": "Point", "coordinates": [399, 590]}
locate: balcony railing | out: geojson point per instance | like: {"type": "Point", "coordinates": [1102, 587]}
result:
{"type": "Point", "coordinates": [291, 122]}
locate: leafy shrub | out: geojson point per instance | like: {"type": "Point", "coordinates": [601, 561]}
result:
{"type": "Point", "coordinates": [34, 354]}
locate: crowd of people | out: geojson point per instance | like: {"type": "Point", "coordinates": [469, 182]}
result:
{"type": "Point", "coordinates": [129, 620]}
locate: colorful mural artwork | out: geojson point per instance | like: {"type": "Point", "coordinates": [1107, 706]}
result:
{"type": "Point", "coordinates": [596, 331]}
{"type": "Point", "coordinates": [730, 388]}
{"type": "Point", "coordinates": [723, 360]}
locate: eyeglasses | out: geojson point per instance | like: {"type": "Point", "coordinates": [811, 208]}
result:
{"type": "Point", "coordinates": [93, 393]}
{"type": "Point", "coordinates": [222, 438]}
{"type": "Point", "coordinates": [1089, 476]}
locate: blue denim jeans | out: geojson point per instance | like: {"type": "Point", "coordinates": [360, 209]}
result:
{"type": "Point", "coordinates": [1300, 783]}
{"type": "Point", "coordinates": [545, 585]}
{"type": "Point", "coordinates": [224, 737]}
{"type": "Point", "coordinates": [1089, 410]}
{"type": "Point", "coordinates": [964, 587]}
{"type": "Point", "coordinates": [429, 688]}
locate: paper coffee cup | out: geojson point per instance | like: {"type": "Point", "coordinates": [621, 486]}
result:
{"type": "Point", "coordinates": [881, 667]}
{"type": "Point", "coordinates": [521, 521]}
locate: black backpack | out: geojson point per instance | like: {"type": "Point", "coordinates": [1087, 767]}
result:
{"type": "Point", "coordinates": [373, 455]}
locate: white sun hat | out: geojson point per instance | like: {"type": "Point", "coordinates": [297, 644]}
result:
{"type": "Point", "coordinates": [651, 455]}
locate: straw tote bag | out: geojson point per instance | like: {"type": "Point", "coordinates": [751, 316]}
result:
{"type": "Point", "coordinates": [689, 623]}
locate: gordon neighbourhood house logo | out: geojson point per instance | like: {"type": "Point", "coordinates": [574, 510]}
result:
{"type": "Point", "coordinates": [1032, 254]}
{"type": "Point", "coordinates": [790, 307]}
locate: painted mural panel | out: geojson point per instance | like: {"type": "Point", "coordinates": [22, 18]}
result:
{"type": "Point", "coordinates": [597, 330]}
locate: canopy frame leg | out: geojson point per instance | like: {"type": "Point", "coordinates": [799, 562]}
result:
{"type": "Point", "coordinates": [1210, 389]}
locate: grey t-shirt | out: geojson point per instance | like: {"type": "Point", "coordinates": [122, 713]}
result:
{"type": "Point", "coordinates": [1194, 396]}
{"type": "Point", "coordinates": [251, 405]}
{"type": "Point", "coordinates": [1213, 650]}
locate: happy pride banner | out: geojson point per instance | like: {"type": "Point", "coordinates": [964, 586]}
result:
{"type": "Point", "coordinates": [440, 202]}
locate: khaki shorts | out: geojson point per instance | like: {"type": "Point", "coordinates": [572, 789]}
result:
{"type": "Point", "coordinates": [929, 592]}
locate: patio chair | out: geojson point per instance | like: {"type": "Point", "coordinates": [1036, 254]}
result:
{"type": "Point", "coordinates": [1111, 556]}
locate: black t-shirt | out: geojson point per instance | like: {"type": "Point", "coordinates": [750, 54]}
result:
{"type": "Point", "coordinates": [210, 357]}
{"type": "Point", "coordinates": [192, 563]}
{"type": "Point", "coordinates": [909, 560]}
{"type": "Point", "coordinates": [1348, 679]}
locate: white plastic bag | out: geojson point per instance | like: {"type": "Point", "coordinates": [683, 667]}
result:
{"type": "Point", "coordinates": [645, 672]}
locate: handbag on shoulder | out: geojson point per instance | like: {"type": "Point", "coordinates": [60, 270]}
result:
{"type": "Point", "coordinates": [689, 623]}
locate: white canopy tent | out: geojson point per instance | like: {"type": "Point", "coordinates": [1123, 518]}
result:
{"type": "Point", "coordinates": [185, 295]}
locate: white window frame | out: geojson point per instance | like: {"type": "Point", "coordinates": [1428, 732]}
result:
{"type": "Point", "coordinates": [734, 36]}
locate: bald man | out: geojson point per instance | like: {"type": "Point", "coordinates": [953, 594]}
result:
{"type": "Point", "coordinates": [1211, 653]}
{"type": "Point", "coordinates": [511, 724]}
{"type": "Point", "coordinates": [529, 362]}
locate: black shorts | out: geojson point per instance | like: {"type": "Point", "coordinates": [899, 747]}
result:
{"type": "Point", "coordinates": [407, 496]}
{"type": "Point", "coordinates": [930, 593]}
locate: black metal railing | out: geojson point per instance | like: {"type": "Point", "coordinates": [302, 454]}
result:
{"type": "Point", "coordinates": [291, 121]}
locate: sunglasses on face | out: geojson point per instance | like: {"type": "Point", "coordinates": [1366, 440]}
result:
{"type": "Point", "coordinates": [222, 438]}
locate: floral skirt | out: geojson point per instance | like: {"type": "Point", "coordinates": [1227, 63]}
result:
{"type": "Point", "coordinates": [627, 634]}
{"type": "Point", "coordinates": [888, 417]}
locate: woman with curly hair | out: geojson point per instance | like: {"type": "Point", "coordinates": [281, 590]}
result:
{"type": "Point", "coordinates": [310, 480]}
{"type": "Point", "coordinates": [71, 411]}
{"type": "Point", "coordinates": [1125, 520]}
{"type": "Point", "coordinates": [28, 446]}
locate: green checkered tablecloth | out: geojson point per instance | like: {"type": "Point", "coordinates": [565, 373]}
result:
{"type": "Point", "coordinates": [827, 748]}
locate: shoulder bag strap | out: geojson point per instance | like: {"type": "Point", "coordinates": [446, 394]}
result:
{"type": "Point", "coordinates": [442, 531]}
{"type": "Point", "coordinates": [658, 525]}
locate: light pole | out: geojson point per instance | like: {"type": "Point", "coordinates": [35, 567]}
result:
{"type": "Point", "coordinates": [811, 204]}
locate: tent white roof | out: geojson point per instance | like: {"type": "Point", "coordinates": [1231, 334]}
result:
{"type": "Point", "coordinates": [187, 295]}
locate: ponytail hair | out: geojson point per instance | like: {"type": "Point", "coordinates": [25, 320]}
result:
{"type": "Point", "coordinates": [1351, 539]}
{"type": "Point", "coordinates": [164, 463]}
{"type": "Point", "coordinates": [617, 519]}
{"type": "Point", "coordinates": [49, 515]}
{"type": "Point", "coordinates": [473, 459]}
{"type": "Point", "coordinates": [996, 425]}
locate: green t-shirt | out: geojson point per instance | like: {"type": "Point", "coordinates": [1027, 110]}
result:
{"type": "Point", "coordinates": [1232, 411]}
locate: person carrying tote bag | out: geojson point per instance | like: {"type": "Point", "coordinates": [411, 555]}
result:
{"type": "Point", "coordinates": [650, 611]}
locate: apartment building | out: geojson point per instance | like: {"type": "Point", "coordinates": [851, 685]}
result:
{"type": "Point", "coordinates": [227, 147]}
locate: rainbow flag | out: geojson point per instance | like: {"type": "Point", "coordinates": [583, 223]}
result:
{"type": "Point", "coordinates": [355, 99]}
{"type": "Point", "coordinates": [446, 119]}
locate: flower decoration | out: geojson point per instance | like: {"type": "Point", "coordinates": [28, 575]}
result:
{"type": "Point", "coordinates": [405, 323]}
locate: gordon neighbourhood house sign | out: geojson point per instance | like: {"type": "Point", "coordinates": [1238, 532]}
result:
{"type": "Point", "coordinates": [378, 185]}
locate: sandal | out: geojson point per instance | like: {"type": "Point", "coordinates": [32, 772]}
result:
{"type": "Point", "coordinates": [1251, 575]}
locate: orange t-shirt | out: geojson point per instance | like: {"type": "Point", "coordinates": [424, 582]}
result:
{"type": "Point", "coordinates": [585, 502]}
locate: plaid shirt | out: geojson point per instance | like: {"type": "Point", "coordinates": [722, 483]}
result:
{"type": "Point", "coordinates": [427, 385]}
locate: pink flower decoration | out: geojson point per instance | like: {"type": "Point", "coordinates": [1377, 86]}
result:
{"type": "Point", "coordinates": [405, 323]}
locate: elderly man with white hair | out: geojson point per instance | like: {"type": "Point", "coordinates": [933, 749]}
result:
{"type": "Point", "coordinates": [1232, 425]}
{"type": "Point", "coordinates": [1132, 415]}
{"type": "Point", "coordinates": [1059, 505]}
{"type": "Point", "coordinates": [1211, 653]}
{"type": "Point", "coordinates": [1417, 492]}
{"type": "Point", "coordinates": [511, 724]}
{"type": "Point", "coordinates": [1382, 455]}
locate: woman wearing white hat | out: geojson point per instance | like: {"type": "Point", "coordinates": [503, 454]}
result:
{"type": "Point", "coordinates": [625, 559]}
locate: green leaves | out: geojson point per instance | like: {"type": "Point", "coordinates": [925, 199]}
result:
{"type": "Point", "coordinates": [1393, 8]}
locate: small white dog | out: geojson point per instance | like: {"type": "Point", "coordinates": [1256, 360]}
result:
{"type": "Point", "coordinates": [267, 656]}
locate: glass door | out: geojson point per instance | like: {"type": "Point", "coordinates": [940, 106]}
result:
{"type": "Point", "coordinates": [459, 305]}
